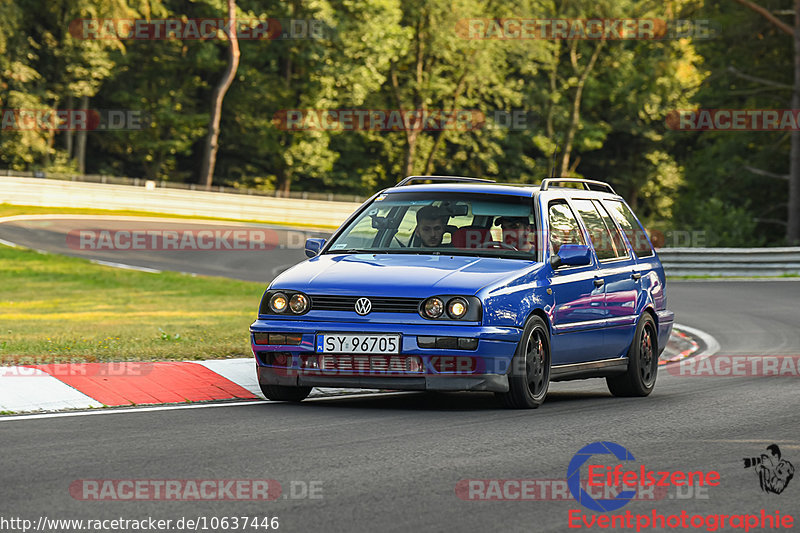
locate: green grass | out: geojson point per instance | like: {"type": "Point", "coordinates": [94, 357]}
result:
{"type": "Point", "coordinates": [59, 309]}
{"type": "Point", "coordinates": [7, 210]}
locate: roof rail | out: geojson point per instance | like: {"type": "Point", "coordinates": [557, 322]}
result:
{"type": "Point", "coordinates": [589, 185]}
{"type": "Point", "coordinates": [453, 179]}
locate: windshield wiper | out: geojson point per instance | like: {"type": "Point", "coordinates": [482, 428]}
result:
{"type": "Point", "coordinates": [349, 251]}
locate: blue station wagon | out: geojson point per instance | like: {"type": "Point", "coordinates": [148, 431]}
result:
{"type": "Point", "coordinates": [462, 284]}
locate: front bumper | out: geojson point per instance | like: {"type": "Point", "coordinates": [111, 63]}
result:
{"type": "Point", "coordinates": [482, 369]}
{"type": "Point", "coordinates": [473, 382]}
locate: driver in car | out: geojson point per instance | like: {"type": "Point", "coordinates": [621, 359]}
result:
{"type": "Point", "coordinates": [517, 232]}
{"type": "Point", "coordinates": [431, 226]}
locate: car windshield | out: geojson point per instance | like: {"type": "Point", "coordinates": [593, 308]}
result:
{"type": "Point", "coordinates": [489, 225]}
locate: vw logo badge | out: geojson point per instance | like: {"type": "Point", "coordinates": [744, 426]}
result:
{"type": "Point", "coordinates": [363, 306]}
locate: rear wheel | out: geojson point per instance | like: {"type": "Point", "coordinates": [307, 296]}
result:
{"type": "Point", "coordinates": [529, 377]}
{"type": "Point", "coordinates": [640, 378]}
{"type": "Point", "coordinates": [282, 393]}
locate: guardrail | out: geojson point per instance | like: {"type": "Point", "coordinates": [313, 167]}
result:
{"type": "Point", "coordinates": [730, 262]}
{"type": "Point", "coordinates": [57, 193]}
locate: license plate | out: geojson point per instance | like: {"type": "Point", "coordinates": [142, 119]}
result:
{"type": "Point", "coordinates": [358, 343]}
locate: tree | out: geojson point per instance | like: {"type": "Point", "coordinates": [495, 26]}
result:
{"type": "Point", "coordinates": [211, 147]}
{"type": "Point", "coordinates": [793, 218]}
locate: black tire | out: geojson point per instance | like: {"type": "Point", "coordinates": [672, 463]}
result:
{"type": "Point", "coordinates": [640, 377]}
{"type": "Point", "coordinates": [529, 377]}
{"type": "Point", "coordinates": [282, 393]}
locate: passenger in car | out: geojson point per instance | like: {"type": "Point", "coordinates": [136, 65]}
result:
{"type": "Point", "coordinates": [517, 232]}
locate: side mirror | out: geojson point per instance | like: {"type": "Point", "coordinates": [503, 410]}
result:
{"type": "Point", "coordinates": [314, 247]}
{"type": "Point", "coordinates": [572, 255]}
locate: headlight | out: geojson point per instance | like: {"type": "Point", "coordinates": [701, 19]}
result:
{"type": "Point", "coordinates": [457, 308]}
{"type": "Point", "coordinates": [433, 307]}
{"type": "Point", "coordinates": [278, 302]}
{"type": "Point", "coordinates": [298, 303]}
{"type": "Point", "coordinates": [451, 307]}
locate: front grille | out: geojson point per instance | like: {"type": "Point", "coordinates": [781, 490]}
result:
{"type": "Point", "coordinates": [379, 305]}
{"type": "Point", "coordinates": [371, 364]}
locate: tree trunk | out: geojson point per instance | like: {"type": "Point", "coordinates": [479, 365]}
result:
{"type": "Point", "coordinates": [210, 152]}
{"type": "Point", "coordinates": [440, 134]}
{"type": "Point", "coordinates": [69, 135]}
{"type": "Point", "coordinates": [793, 226]}
{"type": "Point", "coordinates": [575, 116]}
{"type": "Point", "coordinates": [412, 133]}
{"type": "Point", "coordinates": [80, 143]}
{"type": "Point", "coordinates": [411, 150]}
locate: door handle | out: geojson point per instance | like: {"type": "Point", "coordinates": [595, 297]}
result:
{"type": "Point", "coordinates": [598, 282]}
{"type": "Point", "coordinates": [636, 275]}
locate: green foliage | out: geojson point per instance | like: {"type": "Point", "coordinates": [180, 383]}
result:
{"type": "Point", "coordinates": [411, 55]}
{"type": "Point", "coordinates": [720, 196]}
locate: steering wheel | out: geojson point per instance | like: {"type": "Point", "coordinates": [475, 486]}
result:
{"type": "Point", "coordinates": [497, 244]}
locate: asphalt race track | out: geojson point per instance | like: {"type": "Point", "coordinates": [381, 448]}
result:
{"type": "Point", "coordinates": [393, 463]}
{"type": "Point", "coordinates": [281, 247]}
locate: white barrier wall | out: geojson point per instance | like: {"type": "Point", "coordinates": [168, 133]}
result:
{"type": "Point", "coordinates": [58, 193]}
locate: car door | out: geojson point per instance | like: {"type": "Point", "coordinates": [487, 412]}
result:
{"type": "Point", "coordinates": [647, 264]}
{"type": "Point", "coordinates": [617, 272]}
{"type": "Point", "coordinates": [578, 298]}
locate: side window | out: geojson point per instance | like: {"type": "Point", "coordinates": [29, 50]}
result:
{"type": "Point", "coordinates": [616, 235]}
{"type": "Point", "coordinates": [599, 233]}
{"type": "Point", "coordinates": [564, 228]}
{"type": "Point", "coordinates": [630, 226]}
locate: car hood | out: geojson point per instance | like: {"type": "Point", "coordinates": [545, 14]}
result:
{"type": "Point", "coordinates": [413, 276]}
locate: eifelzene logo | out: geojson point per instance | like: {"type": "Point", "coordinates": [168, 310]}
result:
{"type": "Point", "coordinates": [774, 472]}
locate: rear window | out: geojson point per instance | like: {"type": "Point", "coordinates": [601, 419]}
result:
{"type": "Point", "coordinates": [636, 235]}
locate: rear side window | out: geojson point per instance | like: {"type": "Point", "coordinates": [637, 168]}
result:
{"type": "Point", "coordinates": [616, 235]}
{"type": "Point", "coordinates": [606, 240]}
{"type": "Point", "coordinates": [564, 228]}
{"type": "Point", "coordinates": [636, 235]}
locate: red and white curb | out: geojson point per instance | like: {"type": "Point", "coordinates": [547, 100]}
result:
{"type": "Point", "coordinates": [56, 387]}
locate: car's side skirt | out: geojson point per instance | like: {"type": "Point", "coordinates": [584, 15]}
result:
{"type": "Point", "coordinates": [592, 369]}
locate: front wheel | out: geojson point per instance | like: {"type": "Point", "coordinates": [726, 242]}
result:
{"type": "Point", "coordinates": [640, 377]}
{"type": "Point", "coordinates": [529, 377]}
{"type": "Point", "coordinates": [282, 393]}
